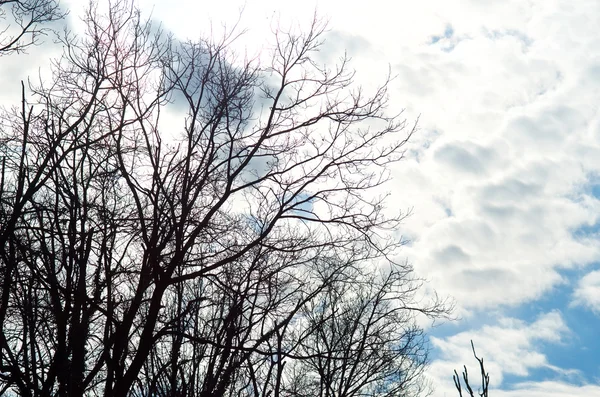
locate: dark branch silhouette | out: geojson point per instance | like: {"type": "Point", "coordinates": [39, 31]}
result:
{"type": "Point", "coordinates": [23, 23]}
{"type": "Point", "coordinates": [485, 379]}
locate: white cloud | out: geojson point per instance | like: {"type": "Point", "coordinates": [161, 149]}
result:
{"type": "Point", "coordinates": [549, 389]}
{"type": "Point", "coordinates": [509, 347]}
{"type": "Point", "coordinates": [587, 293]}
{"type": "Point", "coordinates": [504, 176]}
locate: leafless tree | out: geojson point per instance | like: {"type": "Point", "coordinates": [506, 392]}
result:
{"type": "Point", "coordinates": [24, 22]}
{"type": "Point", "coordinates": [360, 340]}
{"type": "Point", "coordinates": [243, 252]}
{"type": "Point", "coordinates": [485, 379]}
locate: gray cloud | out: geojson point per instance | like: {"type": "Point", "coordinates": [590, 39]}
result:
{"type": "Point", "coordinates": [337, 42]}
{"type": "Point", "coordinates": [486, 278]}
{"type": "Point", "coordinates": [452, 255]}
{"type": "Point", "coordinates": [551, 127]}
{"type": "Point", "coordinates": [512, 190]}
{"type": "Point", "coordinates": [466, 157]}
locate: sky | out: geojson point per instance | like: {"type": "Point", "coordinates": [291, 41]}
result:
{"type": "Point", "coordinates": [502, 178]}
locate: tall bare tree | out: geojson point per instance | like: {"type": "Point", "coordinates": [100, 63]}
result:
{"type": "Point", "coordinates": [242, 252]}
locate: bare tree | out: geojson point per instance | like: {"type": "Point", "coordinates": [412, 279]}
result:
{"type": "Point", "coordinates": [243, 252]}
{"type": "Point", "coordinates": [485, 379]}
{"type": "Point", "coordinates": [361, 339]}
{"type": "Point", "coordinates": [24, 22]}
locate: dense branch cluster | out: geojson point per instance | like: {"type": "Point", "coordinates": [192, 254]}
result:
{"type": "Point", "coordinates": [244, 252]}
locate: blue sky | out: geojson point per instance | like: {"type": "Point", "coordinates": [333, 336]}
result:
{"type": "Point", "coordinates": [502, 177]}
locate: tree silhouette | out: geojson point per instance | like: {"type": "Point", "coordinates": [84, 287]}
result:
{"type": "Point", "coordinates": [485, 379]}
{"type": "Point", "coordinates": [243, 252]}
